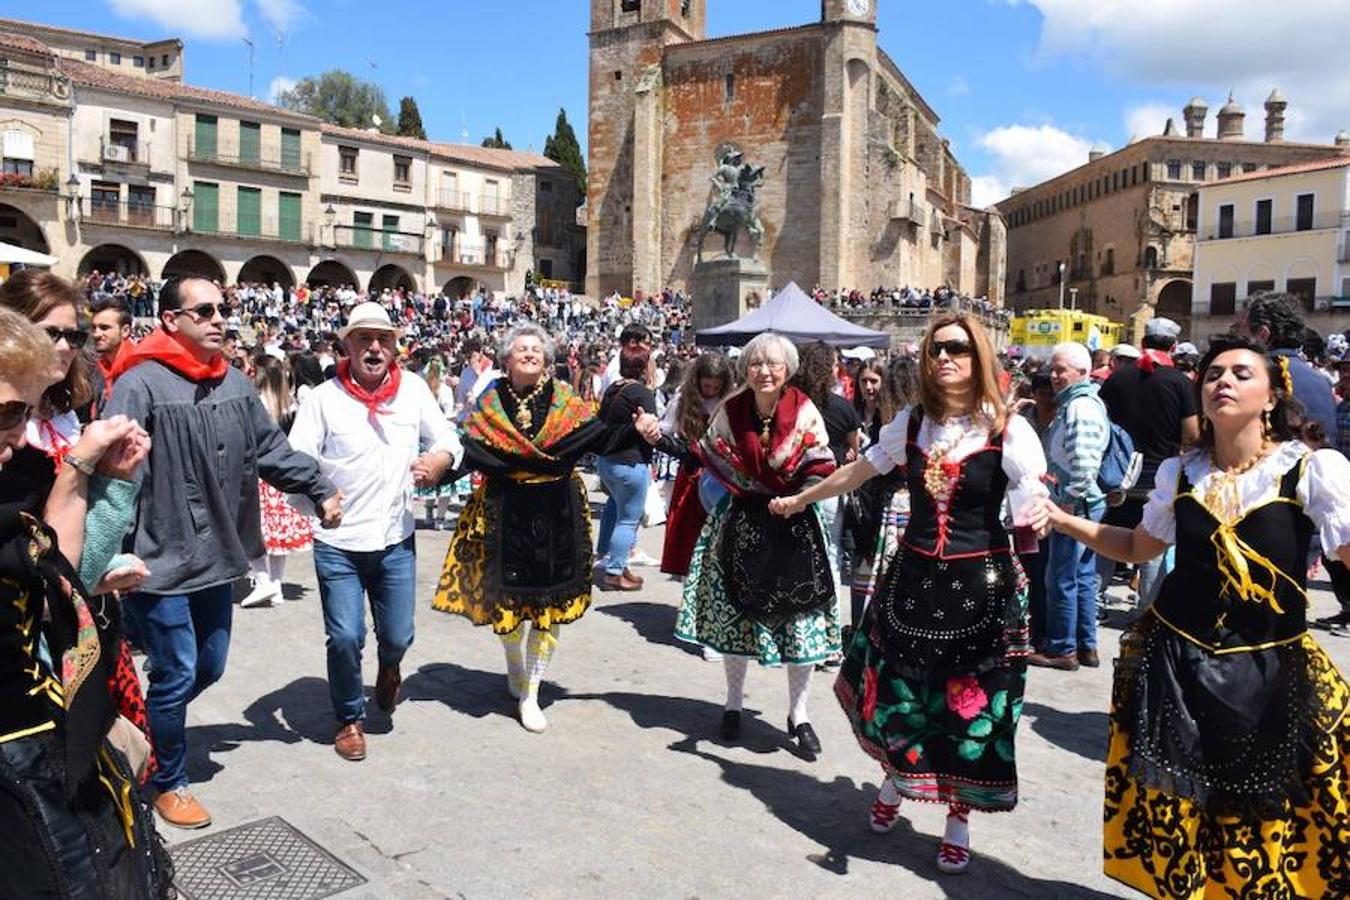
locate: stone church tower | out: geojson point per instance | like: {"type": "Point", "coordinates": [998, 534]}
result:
{"type": "Point", "coordinates": [859, 189]}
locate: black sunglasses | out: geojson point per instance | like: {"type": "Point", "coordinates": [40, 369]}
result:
{"type": "Point", "coordinates": [14, 413]}
{"type": "Point", "coordinates": [953, 348]}
{"type": "Point", "coordinates": [75, 337]}
{"type": "Point", "coordinates": [206, 312]}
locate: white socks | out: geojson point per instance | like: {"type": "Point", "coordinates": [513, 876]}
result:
{"type": "Point", "coordinates": [276, 567]}
{"type": "Point", "coordinates": [735, 667]}
{"type": "Point", "coordinates": [889, 793]}
{"type": "Point", "coordinates": [799, 689]}
{"type": "Point", "coordinates": [958, 829]}
{"type": "Point", "coordinates": [515, 661]}
{"type": "Point", "coordinates": [539, 649]}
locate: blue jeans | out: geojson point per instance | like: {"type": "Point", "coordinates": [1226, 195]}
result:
{"type": "Point", "coordinates": [346, 577]}
{"type": "Point", "coordinates": [1071, 591]}
{"type": "Point", "coordinates": [187, 637]}
{"type": "Point", "coordinates": [627, 484]}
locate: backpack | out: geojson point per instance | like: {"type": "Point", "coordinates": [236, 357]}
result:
{"type": "Point", "coordinates": [1120, 463]}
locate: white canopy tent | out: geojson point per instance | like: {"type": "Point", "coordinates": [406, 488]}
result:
{"type": "Point", "coordinates": [12, 255]}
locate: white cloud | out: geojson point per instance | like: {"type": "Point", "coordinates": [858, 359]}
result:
{"type": "Point", "coordinates": [209, 19]}
{"type": "Point", "coordinates": [1025, 155]}
{"type": "Point", "coordinates": [279, 85]}
{"type": "Point", "coordinates": [1148, 119]}
{"type": "Point", "coordinates": [282, 15]}
{"type": "Point", "coordinates": [958, 86]}
{"type": "Point", "coordinates": [1210, 46]}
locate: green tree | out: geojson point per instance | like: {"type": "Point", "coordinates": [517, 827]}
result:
{"type": "Point", "coordinates": [341, 98]}
{"type": "Point", "coordinates": [562, 147]}
{"type": "Point", "coordinates": [496, 141]}
{"type": "Point", "coordinates": [410, 119]}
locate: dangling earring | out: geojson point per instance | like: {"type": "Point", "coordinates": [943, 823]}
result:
{"type": "Point", "coordinates": [1266, 429]}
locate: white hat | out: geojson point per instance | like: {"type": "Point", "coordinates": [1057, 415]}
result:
{"type": "Point", "coordinates": [1128, 351]}
{"type": "Point", "coordinates": [860, 353]}
{"type": "Point", "coordinates": [368, 315]}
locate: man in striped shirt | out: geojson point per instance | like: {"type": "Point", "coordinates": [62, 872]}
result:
{"type": "Point", "coordinates": [1076, 441]}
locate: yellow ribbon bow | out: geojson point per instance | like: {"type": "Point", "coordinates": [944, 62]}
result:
{"type": "Point", "coordinates": [1236, 559]}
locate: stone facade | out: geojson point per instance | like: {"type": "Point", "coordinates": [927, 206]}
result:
{"type": "Point", "coordinates": [1123, 224]}
{"type": "Point", "coordinates": [860, 190]}
{"type": "Point", "coordinates": [150, 175]}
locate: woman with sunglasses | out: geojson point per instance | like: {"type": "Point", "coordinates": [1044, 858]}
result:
{"type": "Point", "coordinates": [1228, 767]}
{"type": "Point", "coordinates": [933, 677]}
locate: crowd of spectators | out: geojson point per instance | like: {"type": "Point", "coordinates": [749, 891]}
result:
{"type": "Point", "coordinates": [909, 300]}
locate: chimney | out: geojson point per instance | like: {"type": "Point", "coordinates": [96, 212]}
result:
{"type": "Point", "coordinates": [1170, 129]}
{"type": "Point", "coordinates": [1275, 107]}
{"type": "Point", "coordinates": [1343, 138]}
{"type": "Point", "coordinates": [1097, 152]}
{"type": "Point", "coordinates": [1194, 114]}
{"type": "Point", "coordinates": [1231, 117]}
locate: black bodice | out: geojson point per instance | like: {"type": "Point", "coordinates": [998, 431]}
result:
{"type": "Point", "coordinates": [971, 524]}
{"type": "Point", "coordinates": [1197, 601]}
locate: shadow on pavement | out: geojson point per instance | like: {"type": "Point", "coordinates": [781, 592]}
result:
{"type": "Point", "coordinates": [696, 719]}
{"type": "Point", "coordinates": [472, 692]}
{"type": "Point", "coordinates": [1084, 733]}
{"type": "Point", "coordinates": [834, 815]}
{"type": "Point", "coordinates": [654, 623]}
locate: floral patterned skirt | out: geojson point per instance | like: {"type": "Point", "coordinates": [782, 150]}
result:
{"type": "Point", "coordinates": [284, 529]}
{"type": "Point", "coordinates": [709, 618]}
{"type": "Point", "coordinates": [942, 721]}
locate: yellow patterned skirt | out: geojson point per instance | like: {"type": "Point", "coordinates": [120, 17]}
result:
{"type": "Point", "coordinates": [471, 585]}
{"type": "Point", "coordinates": [1167, 846]}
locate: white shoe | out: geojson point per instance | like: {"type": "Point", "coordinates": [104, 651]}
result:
{"type": "Point", "coordinates": [531, 716]}
{"type": "Point", "coordinates": [638, 558]}
{"type": "Point", "coordinates": [263, 594]}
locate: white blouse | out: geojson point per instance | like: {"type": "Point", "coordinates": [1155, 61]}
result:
{"type": "Point", "coordinates": [1023, 458]}
{"type": "Point", "coordinates": [1323, 489]}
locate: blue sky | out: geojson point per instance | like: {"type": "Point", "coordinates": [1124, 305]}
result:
{"type": "Point", "coordinates": [1024, 87]}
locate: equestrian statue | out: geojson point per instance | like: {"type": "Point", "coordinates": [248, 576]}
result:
{"type": "Point", "coordinates": [732, 204]}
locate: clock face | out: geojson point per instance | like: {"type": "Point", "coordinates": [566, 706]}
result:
{"type": "Point", "coordinates": [857, 7]}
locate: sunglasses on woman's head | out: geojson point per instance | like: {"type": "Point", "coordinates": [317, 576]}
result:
{"type": "Point", "coordinates": [953, 348]}
{"type": "Point", "coordinates": [14, 413]}
{"type": "Point", "coordinates": [75, 337]}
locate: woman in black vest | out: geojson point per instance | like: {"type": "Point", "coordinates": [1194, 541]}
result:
{"type": "Point", "coordinates": [933, 676]}
{"type": "Point", "coordinates": [1228, 771]}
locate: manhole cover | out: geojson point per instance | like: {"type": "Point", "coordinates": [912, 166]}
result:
{"type": "Point", "coordinates": [263, 860]}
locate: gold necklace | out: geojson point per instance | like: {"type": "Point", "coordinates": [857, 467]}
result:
{"type": "Point", "coordinates": [524, 415]}
{"type": "Point", "coordinates": [1222, 497]}
{"type": "Point", "coordinates": [765, 422]}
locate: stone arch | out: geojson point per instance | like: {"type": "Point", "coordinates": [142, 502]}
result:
{"type": "Point", "coordinates": [1301, 267]}
{"type": "Point", "coordinates": [196, 263]}
{"type": "Point", "coordinates": [332, 273]}
{"type": "Point", "coordinates": [459, 287]}
{"type": "Point", "coordinates": [266, 269]}
{"type": "Point", "coordinates": [21, 229]}
{"type": "Point", "coordinates": [1174, 301]}
{"type": "Point", "coordinates": [113, 258]}
{"type": "Point", "coordinates": [391, 276]}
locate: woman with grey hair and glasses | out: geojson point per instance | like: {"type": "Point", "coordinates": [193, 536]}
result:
{"type": "Point", "coordinates": [760, 586]}
{"type": "Point", "coordinates": [521, 552]}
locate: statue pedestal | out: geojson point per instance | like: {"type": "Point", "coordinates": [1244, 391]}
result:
{"type": "Point", "coordinates": [719, 289]}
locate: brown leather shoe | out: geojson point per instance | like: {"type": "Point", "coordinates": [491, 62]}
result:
{"type": "Point", "coordinates": [350, 743]}
{"type": "Point", "coordinates": [620, 582]}
{"type": "Point", "coordinates": [386, 687]}
{"type": "Point", "coordinates": [1089, 658]}
{"type": "Point", "coordinates": [181, 810]}
{"type": "Point", "coordinates": [1067, 663]}
{"type": "Point", "coordinates": [628, 573]}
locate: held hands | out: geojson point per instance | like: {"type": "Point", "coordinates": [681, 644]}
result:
{"type": "Point", "coordinates": [102, 435]}
{"type": "Point", "coordinates": [123, 458]}
{"type": "Point", "coordinates": [123, 579]}
{"type": "Point", "coordinates": [786, 506]}
{"type": "Point", "coordinates": [647, 425]}
{"type": "Point", "coordinates": [429, 468]}
{"type": "Point", "coordinates": [330, 511]}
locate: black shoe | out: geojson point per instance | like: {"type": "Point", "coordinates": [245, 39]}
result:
{"type": "Point", "coordinates": [731, 724]}
{"type": "Point", "coordinates": [805, 736]}
{"type": "Point", "coordinates": [1327, 623]}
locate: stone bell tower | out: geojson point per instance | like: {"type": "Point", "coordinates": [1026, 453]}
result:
{"type": "Point", "coordinates": [628, 40]}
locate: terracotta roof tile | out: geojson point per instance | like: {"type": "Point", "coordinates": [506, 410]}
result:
{"type": "Point", "coordinates": [1297, 168]}
{"type": "Point", "coordinates": [93, 76]}
{"type": "Point", "coordinates": [24, 43]}
{"type": "Point", "coordinates": [468, 153]}
{"type": "Point", "coordinates": [77, 32]}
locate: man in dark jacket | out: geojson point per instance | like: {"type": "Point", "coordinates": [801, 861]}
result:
{"type": "Point", "coordinates": [198, 518]}
{"type": "Point", "coordinates": [1274, 320]}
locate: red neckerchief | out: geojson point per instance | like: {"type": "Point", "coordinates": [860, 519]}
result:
{"type": "Point", "coordinates": [57, 444]}
{"type": "Point", "coordinates": [1152, 359]}
{"type": "Point", "coordinates": [108, 367]}
{"type": "Point", "coordinates": [374, 400]}
{"type": "Point", "coordinates": [168, 350]}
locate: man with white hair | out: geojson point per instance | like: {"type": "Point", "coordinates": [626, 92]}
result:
{"type": "Point", "coordinates": [1077, 439]}
{"type": "Point", "coordinates": [365, 427]}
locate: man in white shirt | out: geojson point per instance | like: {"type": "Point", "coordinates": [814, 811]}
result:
{"type": "Point", "coordinates": [365, 427]}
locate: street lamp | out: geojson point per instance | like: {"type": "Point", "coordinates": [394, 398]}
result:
{"type": "Point", "coordinates": [1073, 299]}
{"type": "Point", "coordinates": [1061, 285]}
{"type": "Point", "coordinates": [330, 218]}
{"type": "Point", "coordinates": [73, 197]}
{"type": "Point", "coordinates": [185, 207]}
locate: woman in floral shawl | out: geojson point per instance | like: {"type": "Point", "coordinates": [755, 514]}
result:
{"type": "Point", "coordinates": [521, 552]}
{"type": "Point", "coordinates": [760, 586]}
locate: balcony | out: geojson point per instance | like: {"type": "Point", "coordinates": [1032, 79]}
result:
{"type": "Point", "coordinates": [906, 211]}
{"type": "Point", "coordinates": [476, 255]}
{"type": "Point", "coordinates": [494, 206]}
{"type": "Point", "coordinates": [1278, 225]}
{"type": "Point", "coordinates": [124, 152]}
{"type": "Point", "coordinates": [95, 211]}
{"type": "Point", "coordinates": [361, 237]}
{"type": "Point", "coordinates": [249, 227]}
{"type": "Point", "coordinates": [265, 158]}
{"type": "Point", "coordinates": [28, 84]}
{"type": "Point", "coordinates": [458, 201]}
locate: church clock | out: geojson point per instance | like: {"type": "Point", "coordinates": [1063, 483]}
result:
{"type": "Point", "coordinates": [858, 7]}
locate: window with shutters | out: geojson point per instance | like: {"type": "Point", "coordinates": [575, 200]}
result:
{"type": "Point", "coordinates": [363, 229]}
{"type": "Point", "coordinates": [249, 212]}
{"type": "Point", "coordinates": [1223, 298]}
{"type": "Point", "coordinates": [1225, 220]}
{"type": "Point", "coordinates": [288, 216]}
{"type": "Point", "coordinates": [1264, 210]}
{"type": "Point", "coordinates": [250, 143]}
{"type": "Point", "coordinates": [1303, 288]}
{"type": "Point", "coordinates": [392, 240]}
{"type": "Point", "coordinates": [205, 207]}
{"type": "Point", "coordinates": [347, 164]}
{"type": "Point", "coordinates": [290, 149]}
{"type": "Point", "coordinates": [204, 145]}
{"type": "Point", "coordinates": [403, 172]}
{"type": "Point", "coordinates": [1303, 215]}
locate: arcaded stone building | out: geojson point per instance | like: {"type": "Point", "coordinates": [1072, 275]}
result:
{"type": "Point", "coordinates": [1123, 224]}
{"type": "Point", "coordinates": [860, 189]}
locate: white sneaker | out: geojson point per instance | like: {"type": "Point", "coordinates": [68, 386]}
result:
{"type": "Point", "coordinates": [263, 594]}
{"type": "Point", "coordinates": [638, 558]}
{"type": "Point", "coordinates": [531, 716]}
